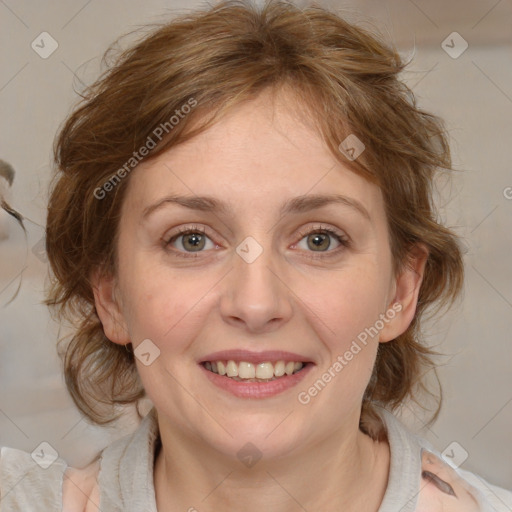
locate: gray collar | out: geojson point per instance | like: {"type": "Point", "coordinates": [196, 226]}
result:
{"type": "Point", "coordinates": [405, 465]}
{"type": "Point", "coordinates": [127, 465]}
{"type": "Point", "coordinates": [126, 474]}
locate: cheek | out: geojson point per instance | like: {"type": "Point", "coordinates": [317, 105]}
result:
{"type": "Point", "coordinates": [159, 304]}
{"type": "Point", "coordinates": [165, 311]}
{"type": "Point", "coordinates": [347, 303]}
{"type": "Point", "coordinates": [343, 312]}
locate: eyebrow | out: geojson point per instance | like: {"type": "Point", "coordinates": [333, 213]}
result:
{"type": "Point", "coordinates": [298, 204]}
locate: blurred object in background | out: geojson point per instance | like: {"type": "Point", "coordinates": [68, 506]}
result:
{"type": "Point", "coordinates": [6, 179]}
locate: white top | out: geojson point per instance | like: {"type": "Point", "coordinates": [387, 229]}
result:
{"type": "Point", "coordinates": [126, 477]}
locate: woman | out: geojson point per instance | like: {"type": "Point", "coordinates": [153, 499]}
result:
{"type": "Point", "coordinates": [242, 229]}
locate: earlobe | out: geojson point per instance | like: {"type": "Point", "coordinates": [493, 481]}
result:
{"type": "Point", "coordinates": [108, 308]}
{"type": "Point", "coordinates": [407, 286]}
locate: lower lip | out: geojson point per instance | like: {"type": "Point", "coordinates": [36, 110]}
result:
{"type": "Point", "coordinates": [257, 389]}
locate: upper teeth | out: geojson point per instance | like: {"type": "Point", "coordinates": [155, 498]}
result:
{"type": "Point", "coordinates": [246, 370]}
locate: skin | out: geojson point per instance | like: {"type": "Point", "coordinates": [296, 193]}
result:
{"type": "Point", "coordinates": [447, 492]}
{"type": "Point", "coordinates": [292, 297]}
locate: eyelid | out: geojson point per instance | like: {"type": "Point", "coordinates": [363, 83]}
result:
{"type": "Point", "coordinates": [182, 230]}
{"type": "Point", "coordinates": [323, 227]}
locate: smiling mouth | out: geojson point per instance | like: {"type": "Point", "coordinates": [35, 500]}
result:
{"type": "Point", "coordinates": [244, 371]}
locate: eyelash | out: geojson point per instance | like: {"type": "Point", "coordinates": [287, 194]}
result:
{"type": "Point", "coordinates": [342, 239]}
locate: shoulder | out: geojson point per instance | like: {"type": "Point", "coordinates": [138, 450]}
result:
{"type": "Point", "coordinates": [26, 485]}
{"type": "Point", "coordinates": [442, 483]}
{"type": "Point", "coordinates": [499, 498]}
{"type": "Point", "coordinates": [433, 483]}
{"type": "Point", "coordinates": [29, 478]}
{"type": "Point", "coordinates": [43, 481]}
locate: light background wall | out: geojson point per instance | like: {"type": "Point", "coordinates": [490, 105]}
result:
{"type": "Point", "coordinates": [473, 93]}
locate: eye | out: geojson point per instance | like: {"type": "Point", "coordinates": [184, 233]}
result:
{"type": "Point", "coordinates": [319, 239]}
{"type": "Point", "coordinates": [191, 239]}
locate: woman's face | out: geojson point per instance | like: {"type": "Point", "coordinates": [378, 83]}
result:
{"type": "Point", "coordinates": [254, 278]}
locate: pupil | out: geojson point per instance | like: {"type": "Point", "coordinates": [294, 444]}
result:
{"type": "Point", "coordinates": [195, 240]}
{"type": "Point", "coordinates": [317, 240]}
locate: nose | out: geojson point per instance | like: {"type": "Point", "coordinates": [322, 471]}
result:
{"type": "Point", "coordinates": [256, 295]}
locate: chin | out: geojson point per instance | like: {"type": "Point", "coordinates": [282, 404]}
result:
{"type": "Point", "coordinates": [265, 440]}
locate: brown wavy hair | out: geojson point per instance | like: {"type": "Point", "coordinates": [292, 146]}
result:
{"type": "Point", "coordinates": [347, 82]}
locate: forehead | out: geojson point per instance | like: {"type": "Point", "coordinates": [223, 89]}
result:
{"type": "Point", "coordinates": [263, 149]}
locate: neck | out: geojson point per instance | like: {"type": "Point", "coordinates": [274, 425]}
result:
{"type": "Point", "coordinates": [340, 471]}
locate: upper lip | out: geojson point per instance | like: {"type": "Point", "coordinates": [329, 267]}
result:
{"type": "Point", "coordinates": [254, 357]}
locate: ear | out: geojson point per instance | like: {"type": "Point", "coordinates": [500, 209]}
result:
{"type": "Point", "coordinates": [407, 288]}
{"type": "Point", "coordinates": [108, 308]}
